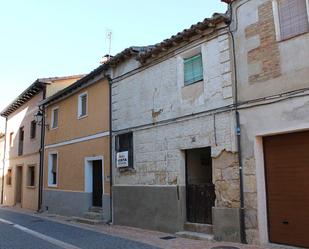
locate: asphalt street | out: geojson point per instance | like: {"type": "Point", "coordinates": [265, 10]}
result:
{"type": "Point", "coordinates": [22, 231]}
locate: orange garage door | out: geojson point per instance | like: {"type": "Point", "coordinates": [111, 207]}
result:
{"type": "Point", "coordinates": [287, 183]}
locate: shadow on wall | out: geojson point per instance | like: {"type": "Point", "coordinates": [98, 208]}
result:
{"type": "Point", "coordinates": [20, 173]}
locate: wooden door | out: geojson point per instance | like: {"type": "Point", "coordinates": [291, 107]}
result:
{"type": "Point", "coordinates": [97, 183]}
{"type": "Point", "coordinates": [287, 183]}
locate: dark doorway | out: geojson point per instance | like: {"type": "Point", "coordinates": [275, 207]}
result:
{"type": "Point", "coordinates": [97, 183]}
{"type": "Point", "coordinates": [19, 184]}
{"type": "Point", "coordinates": [200, 188]}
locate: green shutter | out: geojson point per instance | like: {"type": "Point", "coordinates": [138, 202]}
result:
{"type": "Point", "coordinates": [193, 69]}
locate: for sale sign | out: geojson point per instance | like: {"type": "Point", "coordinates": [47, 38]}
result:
{"type": "Point", "coordinates": [122, 159]}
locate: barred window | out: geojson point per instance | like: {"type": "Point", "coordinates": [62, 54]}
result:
{"type": "Point", "coordinates": [293, 18]}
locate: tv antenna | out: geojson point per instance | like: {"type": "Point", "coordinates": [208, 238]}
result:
{"type": "Point", "coordinates": [109, 34]}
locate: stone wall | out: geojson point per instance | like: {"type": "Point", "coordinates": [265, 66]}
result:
{"type": "Point", "coordinates": [226, 179]}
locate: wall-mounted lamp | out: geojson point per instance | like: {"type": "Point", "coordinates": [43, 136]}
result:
{"type": "Point", "coordinates": [39, 118]}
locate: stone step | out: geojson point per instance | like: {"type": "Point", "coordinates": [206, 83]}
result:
{"type": "Point", "coordinates": [96, 209]}
{"type": "Point", "coordinates": [93, 215]}
{"type": "Point", "coordinates": [196, 236]}
{"type": "Point", "coordinates": [198, 228]}
{"type": "Point", "coordinates": [88, 221]}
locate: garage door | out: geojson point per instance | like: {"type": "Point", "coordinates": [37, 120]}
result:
{"type": "Point", "coordinates": [287, 183]}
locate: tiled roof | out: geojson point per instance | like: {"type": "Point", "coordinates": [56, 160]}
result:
{"type": "Point", "coordinates": [184, 35]}
{"type": "Point", "coordinates": [31, 91]}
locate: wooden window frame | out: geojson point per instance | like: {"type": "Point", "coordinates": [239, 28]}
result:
{"type": "Point", "coordinates": [186, 60]}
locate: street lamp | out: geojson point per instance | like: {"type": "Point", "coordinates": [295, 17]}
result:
{"type": "Point", "coordinates": [39, 118]}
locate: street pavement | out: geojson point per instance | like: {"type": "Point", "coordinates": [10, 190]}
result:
{"type": "Point", "coordinates": [22, 231]}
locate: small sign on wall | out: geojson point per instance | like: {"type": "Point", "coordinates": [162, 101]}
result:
{"type": "Point", "coordinates": [123, 159]}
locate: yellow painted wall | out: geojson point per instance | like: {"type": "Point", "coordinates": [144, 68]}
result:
{"type": "Point", "coordinates": [71, 164]}
{"type": "Point", "coordinates": [70, 127]}
{"type": "Point", "coordinates": [71, 157]}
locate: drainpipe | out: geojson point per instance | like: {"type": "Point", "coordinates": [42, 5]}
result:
{"type": "Point", "coordinates": [3, 165]}
{"type": "Point", "coordinates": [41, 154]}
{"type": "Point", "coordinates": [110, 148]}
{"type": "Point", "coordinates": [238, 133]}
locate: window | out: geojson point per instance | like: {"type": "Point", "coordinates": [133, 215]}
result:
{"type": "Point", "coordinates": [124, 142]}
{"type": "Point", "coordinates": [293, 18]}
{"type": "Point", "coordinates": [82, 105]}
{"type": "Point", "coordinates": [55, 118]}
{"type": "Point", "coordinates": [33, 129]}
{"type": "Point", "coordinates": [21, 141]}
{"type": "Point", "coordinates": [193, 69]}
{"type": "Point", "coordinates": [9, 177]}
{"type": "Point", "coordinates": [11, 139]}
{"type": "Point", "coordinates": [31, 176]}
{"type": "Point", "coordinates": [52, 169]}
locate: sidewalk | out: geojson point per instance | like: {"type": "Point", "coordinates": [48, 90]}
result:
{"type": "Point", "coordinates": [136, 234]}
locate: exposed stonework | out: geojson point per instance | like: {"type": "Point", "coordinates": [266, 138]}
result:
{"type": "Point", "coordinates": [250, 195]}
{"type": "Point", "coordinates": [226, 180]}
{"type": "Point", "coordinates": [264, 60]}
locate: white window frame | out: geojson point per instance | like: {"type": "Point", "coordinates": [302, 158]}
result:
{"type": "Point", "coordinates": [275, 6]}
{"type": "Point", "coordinates": [49, 175]}
{"type": "Point", "coordinates": [52, 118]}
{"type": "Point", "coordinates": [79, 107]}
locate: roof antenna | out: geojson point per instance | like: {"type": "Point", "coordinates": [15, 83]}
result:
{"type": "Point", "coordinates": [107, 57]}
{"type": "Point", "coordinates": [109, 34]}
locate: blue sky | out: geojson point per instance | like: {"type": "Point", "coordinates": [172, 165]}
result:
{"type": "Point", "coordinates": [45, 38]}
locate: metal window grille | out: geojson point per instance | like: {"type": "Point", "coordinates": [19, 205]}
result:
{"type": "Point", "coordinates": [293, 18]}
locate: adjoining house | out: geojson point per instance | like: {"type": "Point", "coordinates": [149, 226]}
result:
{"type": "Point", "coordinates": [271, 41]}
{"type": "Point", "coordinates": [2, 136]}
{"type": "Point", "coordinates": [23, 141]}
{"type": "Point", "coordinates": [175, 163]}
{"type": "Point", "coordinates": [76, 151]}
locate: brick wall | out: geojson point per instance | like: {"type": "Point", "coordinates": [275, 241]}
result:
{"type": "Point", "coordinates": [265, 59]}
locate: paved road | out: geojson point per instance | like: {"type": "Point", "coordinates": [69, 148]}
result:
{"type": "Point", "coordinates": [21, 231]}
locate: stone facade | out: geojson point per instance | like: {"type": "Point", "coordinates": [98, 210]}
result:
{"type": "Point", "coordinates": [168, 118]}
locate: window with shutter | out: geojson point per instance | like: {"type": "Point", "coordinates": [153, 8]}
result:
{"type": "Point", "coordinates": [82, 105]}
{"type": "Point", "coordinates": [52, 169]}
{"type": "Point", "coordinates": [193, 69]}
{"type": "Point", "coordinates": [55, 118]}
{"type": "Point", "coordinates": [33, 130]}
{"type": "Point", "coordinates": [293, 18]}
{"type": "Point", "coordinates": [31, 176]}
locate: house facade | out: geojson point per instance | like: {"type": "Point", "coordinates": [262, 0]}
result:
{"type": "Point", "coordinates": [76, 151]}
{"type": "Point", "coordinates": [271, 42]}
{"type": "Point", "coordinates": [21, 157]}
{"type": "Point", "coordinates": [175, 161]}
{"type": "Point", "coordinates": [1, 163]}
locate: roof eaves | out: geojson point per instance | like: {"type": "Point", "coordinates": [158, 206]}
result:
{"type": "Point", "coordinates": [78, 84]}
{"type": "Point", "coordinates": [25, 96]}
{"type": "Point", "coordinates": [184, 35]}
